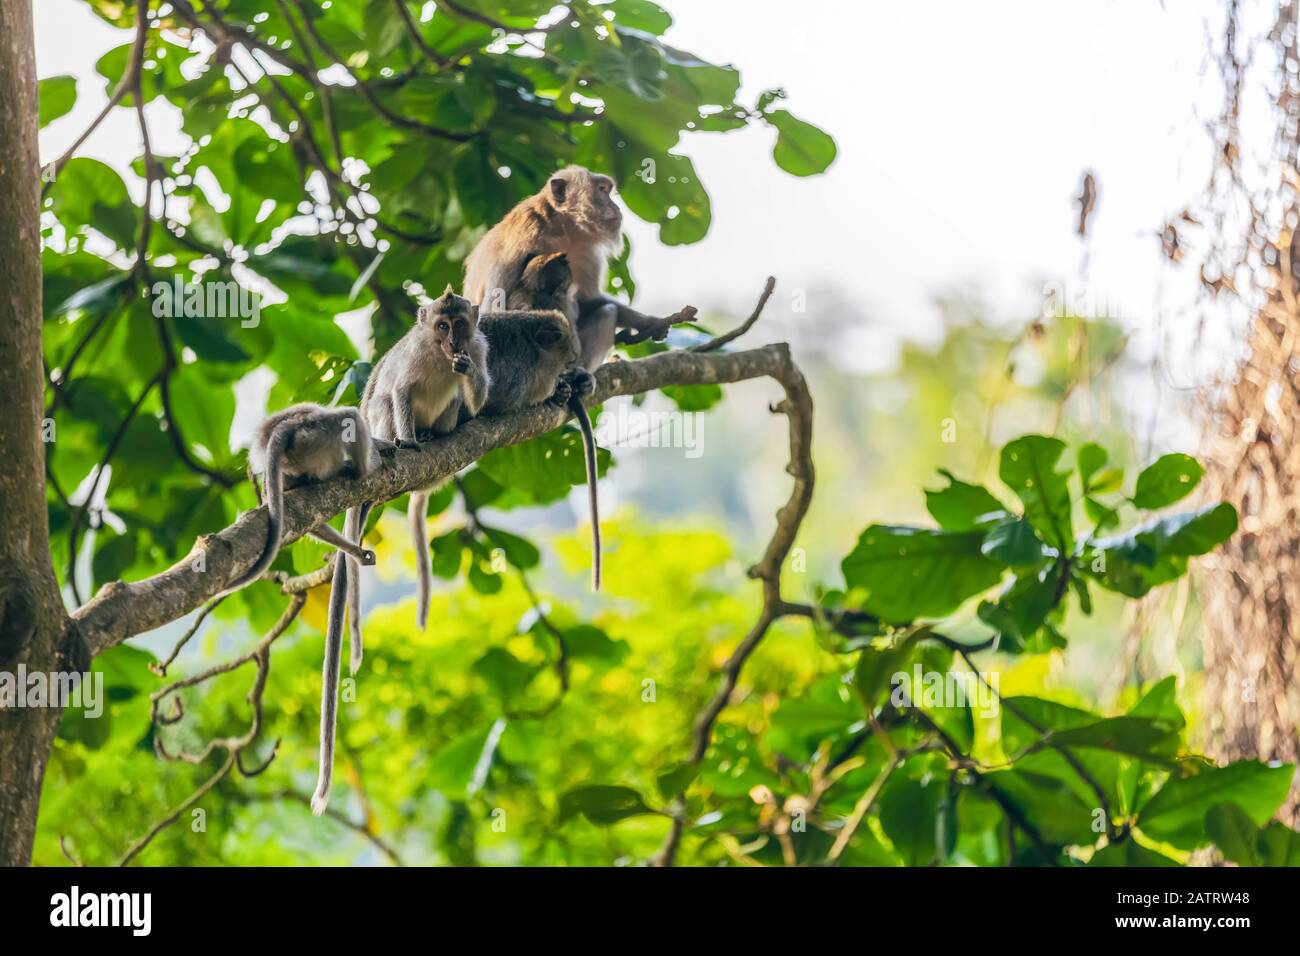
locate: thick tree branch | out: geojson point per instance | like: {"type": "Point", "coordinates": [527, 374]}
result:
{"type": "Point", "coordinates": [122, 609]}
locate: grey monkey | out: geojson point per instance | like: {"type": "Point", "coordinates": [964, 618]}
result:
{"type": "Point", "coordinates": [573, 213]}
{"type": "Point", "coordinates": [532, 351]}
{"type": "Point", "coordinates": [297, 445]}
{"type": "Point", "coordinates": [432, 376]}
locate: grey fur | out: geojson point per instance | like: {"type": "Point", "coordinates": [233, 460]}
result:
{"type": "Point", "coordinates": [531, 357]}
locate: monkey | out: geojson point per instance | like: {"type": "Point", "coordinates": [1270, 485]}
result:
{"type": "Point", "coordinates": [303, 443]}
{"type": "Point", "coordinates": [531, 356]}
{"type": "Point", "coordinates": [573, 213]}
{"type": "Point", "coordinates": [433, 376]}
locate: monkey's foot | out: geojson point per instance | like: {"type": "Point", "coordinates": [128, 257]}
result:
{"type": "Point", "coordinates": [582, 382]}
{"type": "Point", "coordinates": [408, 443]}
{"type": "Point", "coordinates": [654, 329]}
{"type": "Point", "coordinates": [563, 392]}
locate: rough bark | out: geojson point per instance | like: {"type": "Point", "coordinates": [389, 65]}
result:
{"type": "Point", "coordinates": [33, 624]}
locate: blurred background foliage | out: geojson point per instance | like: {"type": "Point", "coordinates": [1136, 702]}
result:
{"type": "Point", "coordinates": [343, 158]}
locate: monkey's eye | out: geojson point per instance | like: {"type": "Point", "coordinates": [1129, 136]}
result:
{"type": "Point", "coordinates": [605, 186]}
{"type": "Point", "coordinates": [444, 327]}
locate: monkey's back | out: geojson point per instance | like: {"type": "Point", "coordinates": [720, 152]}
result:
{"type": "Point", "coordinates": [523, 373]}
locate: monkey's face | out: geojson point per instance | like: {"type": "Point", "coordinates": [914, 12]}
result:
{"type": "Point", "coordinates": [588, 199]}
{"type": "Point", "coordinates": [554, 337]}
{"type": "Point", "coordinates": [453, 321]}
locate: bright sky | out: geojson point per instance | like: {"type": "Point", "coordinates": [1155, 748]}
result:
{"type": "Point", "coordinates": [963, 129]}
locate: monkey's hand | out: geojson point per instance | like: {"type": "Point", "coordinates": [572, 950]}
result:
{"type": "Point", "coordinates": [413, 443]}
{"type": "Point", "coordinates": [461, 364]}
{"type": "Point", "coordinates": [563, 392]}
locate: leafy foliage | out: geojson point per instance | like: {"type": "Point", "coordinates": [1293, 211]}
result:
{"type": "Point", "coordinates": [520, 730]}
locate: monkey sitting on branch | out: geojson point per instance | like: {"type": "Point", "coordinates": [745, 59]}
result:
{"type": "Point", "coordinates": [574, 213]}
{"type": "Point", "coordinates": [433, 377]}
{"type": "Point", "coordinates": [300, 444]}
{"type": "Point", "coordinates": [531, 354]}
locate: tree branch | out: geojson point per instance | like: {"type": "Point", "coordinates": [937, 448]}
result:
{"type": "Point", "coordinates": [798, 409]}
{"type": "Point", "coordinates": [122, 609]}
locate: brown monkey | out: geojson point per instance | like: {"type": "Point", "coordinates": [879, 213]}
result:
{"type": "Point", "coordinates": [531, 356]}
{"type": "Point", "coordinates": [574, 213]}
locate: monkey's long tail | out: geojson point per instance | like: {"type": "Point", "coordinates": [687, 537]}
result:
{"type": "Point", "coordinates": [589, 452]}
{"type": "Point", "coordinates": [355, 527]}
{"type": "Point", "coordinates": [417, 513]}
{"type": "Point", "coordinates": [329, 679]}
{"type": "Point", "coordinates": [274, 487]}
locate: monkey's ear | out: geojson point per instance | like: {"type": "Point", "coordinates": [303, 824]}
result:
{"type": "Point", "coordinates": [424, 313]}
{"type": "Point", "coordinates": [556, 272]}
{"type": "Point", "coordinates": [548, 335]}
{"type": "Point", "coordinates": [559, 189]}
{"type": "Point", "coordinates": [473, 313]}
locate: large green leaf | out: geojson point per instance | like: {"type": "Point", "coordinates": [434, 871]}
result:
{"type": "Point", "coordinates": [963, 507]}
{"type": "Point", "coordinates": [1176, 814]}
{"type": "Point", "coordinates": [602, 805]}
{"type": "Point", "coordinates": [58, 96]}
{"type": "Point", "coordinates": [1028, 467]}
{"type": "Point", "coordinates": [912, 573]}
{"type": "Point", "coordinates": [801, 148]}
{"type": "Point", "coordinates": [1169, 479]}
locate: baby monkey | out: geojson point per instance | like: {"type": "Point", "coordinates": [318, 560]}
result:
{"type": "Point", "coordinates": [434, 375]}
{"type": "Point", "coordinates": [532, 357]}
{"type": "Point", "coordinates": [297, 445]}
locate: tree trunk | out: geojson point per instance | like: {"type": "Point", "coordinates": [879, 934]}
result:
{"type": "Point", "coordinates": [34, 628]}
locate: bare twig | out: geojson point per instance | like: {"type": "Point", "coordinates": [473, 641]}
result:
{"type": "Point", "coordinates": [721, 340]}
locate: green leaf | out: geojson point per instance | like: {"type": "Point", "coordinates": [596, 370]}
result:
{"type": "Point", "coordinates": [1234, 833]}
{"type": "Point", "coordinates": [1176, 813]}
{"type": "Point", "coordinates": [58, 95]}
{"type": "Point", "coordinates": [1028, 467]}
{"type": "Point", "coordinates": [676, 779]}
{"type": "Point", "coordinates": [1048, 804]}
{"type": "Point", "coordinates": [601, 804]}
{"type": "Point", "coordinates": [1012, 542]}
{"type": "Point", "coordinates": [520, 552]}
{"type": "Point", "coordinates": [876, 667]}
{"type": "Point", "coordinates": [544, 468]}
{"type": "Point", "coordinates": [585, 642]}
{"type": "Point", "coordinates": [909, 811]}
{"type": "Point", "coordinates": [963, 507]}
{"type": "Point", "coordinates": [1156, 552]}
{"type": "Point", "coordinates": [916, 572]}
{"type": "Point", "coordinates": [1129, 853]}
{"type": "Point", "coordinates": [506, 675]}
{"type": "Point", "coordinates": [461, 767]}
{"type": "Point", "coordinates": [1091, 458]}
{"type": "Point", "coordinates": [384, 27]}
{"type": "Point", "coordinates": [1169, 479]}
{"type": "Point", "coordinates": [801, 148]}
